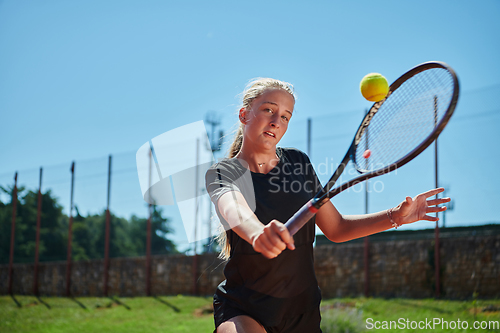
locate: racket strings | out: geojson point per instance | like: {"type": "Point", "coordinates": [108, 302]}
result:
{"type": "Point", "coordinates": [405, 119]}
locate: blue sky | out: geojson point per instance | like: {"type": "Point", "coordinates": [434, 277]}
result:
{"type": "Point", "coordinates": [80, 80]}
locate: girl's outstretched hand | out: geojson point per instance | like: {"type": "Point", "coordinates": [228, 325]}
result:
{"type": "Point", "coordinates": [417, 208]}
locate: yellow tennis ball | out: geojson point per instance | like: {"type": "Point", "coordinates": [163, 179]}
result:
{"type": "Point", "coordinates": [374, 87]}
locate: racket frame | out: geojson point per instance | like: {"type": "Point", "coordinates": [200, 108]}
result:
{"type": "Point", "coordinates": [323, 196]}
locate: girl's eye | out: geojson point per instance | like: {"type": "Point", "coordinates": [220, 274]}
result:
{"type": "Point", "coordinates": [284, 118]}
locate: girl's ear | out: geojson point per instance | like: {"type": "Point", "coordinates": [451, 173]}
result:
{"type": "Point", "coordinates": [243, 116]}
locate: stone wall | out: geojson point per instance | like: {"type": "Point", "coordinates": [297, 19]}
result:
{"type": "Point", "coordinates": [405, 268]}
{"type": "Point", "coordinates": [170, 275]}
{"type": "Point", "coordinates": [397, 268]}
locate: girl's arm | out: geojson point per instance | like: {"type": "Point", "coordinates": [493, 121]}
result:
{"type": "Point", "coordinates": [270, 239]}
{"type": "Point", "coordinates": [341, 228]}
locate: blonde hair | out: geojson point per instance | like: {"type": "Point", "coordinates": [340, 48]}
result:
{"type": "Point", "coordinates": [253, 90]}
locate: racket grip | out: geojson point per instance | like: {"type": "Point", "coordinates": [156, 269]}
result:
{"type": "Point", "coordinates": [300, 218]}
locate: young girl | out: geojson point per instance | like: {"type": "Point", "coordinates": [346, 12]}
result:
{"type": "Point", "coordinates": [270, 282]}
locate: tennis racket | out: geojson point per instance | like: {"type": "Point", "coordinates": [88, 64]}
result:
{"type": "Point", "coordinates": [394, 131]}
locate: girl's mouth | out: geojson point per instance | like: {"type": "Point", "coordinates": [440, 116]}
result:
{"type": "Point", "coordinates": [270, 134]}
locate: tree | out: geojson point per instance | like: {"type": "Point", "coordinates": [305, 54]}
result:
{"type": "Point", "coordinates": [52, 238]}
{"type": "Point", "coordinates": [160, 228]}
{"type": "Point", "coordinates": [127, 238]}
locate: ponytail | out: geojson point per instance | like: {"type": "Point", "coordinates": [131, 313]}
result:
{"type": "Point", "coordinates": [237, 143]}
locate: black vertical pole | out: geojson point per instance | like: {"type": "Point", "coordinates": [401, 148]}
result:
{"type": "Point", "coordinates": [436, 233]}
{"type": "Point", "coordinates": [366, 247]}
{"type": "Point", "coordinates": [214, 146]}
{"type": "Point", "coordinates": [70, 233]}
{"type": "Point", "coordinates": [12, 232]}
{"type": "Point", "coordinates": [106, 239]}
{"type": "Point", "coordinates": [148, 232]}
{"type": "Point", "coordinates": [195, 257]}
{"type": "Point", "coordinates": [309, 125]}
{"type": "Point", "coordinates": [38, 218]}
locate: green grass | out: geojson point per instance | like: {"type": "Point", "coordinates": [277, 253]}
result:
{"type": "Point", "coordinates": [192, 314]}
{"type": "Point", "coordinates": [353, 315]}
{"type": "Point", "coordinates": [145, 314]}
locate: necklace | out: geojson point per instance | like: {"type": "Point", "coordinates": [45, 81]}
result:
{"type": "Point", "coordinates": [261, 164]}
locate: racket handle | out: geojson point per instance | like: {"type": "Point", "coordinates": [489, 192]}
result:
{"type": "Point", "coordinates": [301, 217]}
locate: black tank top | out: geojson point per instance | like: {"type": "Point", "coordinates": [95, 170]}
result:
{"type": "Point", "coordinates": [269, 289]}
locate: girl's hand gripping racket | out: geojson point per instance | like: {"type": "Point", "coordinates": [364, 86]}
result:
{"type": "Point", "coordinates": [395, 130]}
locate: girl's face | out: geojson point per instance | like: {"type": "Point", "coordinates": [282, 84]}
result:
{"type": "Point", "coordinates": [267, 120]}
